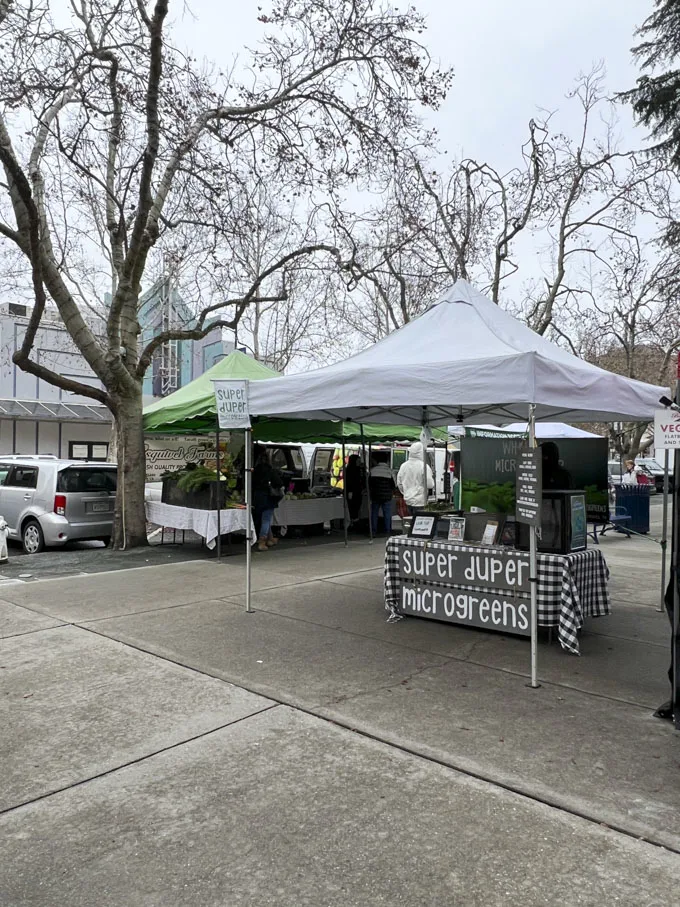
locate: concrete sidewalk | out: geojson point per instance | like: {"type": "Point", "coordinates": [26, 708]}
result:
{"type": "Point", "coordinates": [163, 747]}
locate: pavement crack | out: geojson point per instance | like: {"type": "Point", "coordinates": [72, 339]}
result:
{"type": "Point", "coordinates": [139, 759]}
{"type": "Point", "coordinates": [384, 687]}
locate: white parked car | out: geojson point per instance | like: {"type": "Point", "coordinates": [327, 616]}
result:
{"type": "Point", "coordinates": [47, 502]}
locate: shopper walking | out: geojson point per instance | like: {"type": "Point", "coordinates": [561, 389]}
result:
{"type": "Point", "coordinates": [267, 492]}
{"type": "Point", "coordinates": [381, 486]}
{"type": "Point", "coordinates": [353, 487]}
{"type": "Point", "coordinates": [410, 478]}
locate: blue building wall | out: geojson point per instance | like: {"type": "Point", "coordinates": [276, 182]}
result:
{"type": "Point", "coordinates": [193, 357]}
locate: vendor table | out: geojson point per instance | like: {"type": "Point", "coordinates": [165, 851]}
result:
{"type": "Point", "coordinates": [202, 522]}
{"type": "Point", "coordinates": [570, 587]}
{"type": "Point", "coordinates": [309, 512]}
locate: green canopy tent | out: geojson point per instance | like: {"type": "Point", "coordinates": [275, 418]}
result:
{"type": "Point", "coordinates": [192, 410]}
{"type": "Point", "coordinates": [321, 432]}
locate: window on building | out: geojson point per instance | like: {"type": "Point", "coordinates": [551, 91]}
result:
{"type": "Point", "coordinates": [88, 450]}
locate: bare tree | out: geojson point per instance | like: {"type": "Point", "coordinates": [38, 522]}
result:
{"type": "Point", "coordinates": [117, 148]}
{"type": "Point", "coordinates": [593, 192]}
{"type": "Point", "coordinates": [627, 321]}
{"type": "Point", "coordinates": [430, 229]}
{"type": "Point", "coordinates": [478, 212]}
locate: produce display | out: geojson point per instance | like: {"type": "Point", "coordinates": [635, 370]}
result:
{"type": "Point", "coordinates": [193, 478]}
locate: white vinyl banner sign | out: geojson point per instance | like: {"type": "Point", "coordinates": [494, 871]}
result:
{"type": "Point", "coordinates": [666, 429]}
{"type": "Point", "coordinates": [167, 454]}
{"type": "Point", "coordinates": [232, 404]}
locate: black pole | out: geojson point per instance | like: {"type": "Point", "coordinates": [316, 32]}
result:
{"type": "Point", "coordinates": [675, 576]}
{"type": "Point", "coordinates": [219, 492]}
{"type": "Point", "coordinates": [367, 469]}
{"type": "Point", "coordinates": [345, 513]}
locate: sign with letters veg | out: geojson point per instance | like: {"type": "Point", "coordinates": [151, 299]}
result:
{"type": "Point", "coordinates": [666, 429]}
{"type": "Point", "coordinates": [231, 398]}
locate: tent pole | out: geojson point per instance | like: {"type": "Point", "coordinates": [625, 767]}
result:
{"type": "Point", "coordinates": [344, 492]}
{"type": "Point", "coordinates": [533, 570]}
{"type": "Point", "coordinates": [367, 469]}
{"type": "Point", "coordinates": [675, 568]}
{"type": "Point", "coordinates": [219, 493]}
{"type": "Point", "coordinates": [249, 511]}
{"type": "Point", "coordinates": [664, 530]}
{"type": "Point", "coordinates": [425, 488]}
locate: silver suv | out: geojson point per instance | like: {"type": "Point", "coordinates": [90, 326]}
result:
{"type": "Point", "coordinates": [48, 502]}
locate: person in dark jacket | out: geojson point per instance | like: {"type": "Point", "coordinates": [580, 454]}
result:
{"type": "Point", "coordinates": [353, 487]}
{"type": "Point", "coordinates": [665, 710]}
{"type": "Point", "coordinates": [381, 486]}
{"type": "Point", "coordinates": [555, 476]}
{"type": "Point", "coordinates": [267, 492]}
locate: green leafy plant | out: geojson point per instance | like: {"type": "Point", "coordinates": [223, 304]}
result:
{"type": "Point", "coordinates": [439, 507]}
{"type": "Point", "coordinates": [196, 478]}
{"type": "Point", "coordinates": [494, 497]}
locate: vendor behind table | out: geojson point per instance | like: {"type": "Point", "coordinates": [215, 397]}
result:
{"type": "Point", "coordinates": [410, 478]}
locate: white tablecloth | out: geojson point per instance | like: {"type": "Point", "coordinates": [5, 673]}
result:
{"type": "Point", "coordinates": [202, 522]}
{"type": "Point", "coordinates": [309, 512]}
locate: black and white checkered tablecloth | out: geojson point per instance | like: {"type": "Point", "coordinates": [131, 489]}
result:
{"type": "Point", "coordinates": [570, 586]}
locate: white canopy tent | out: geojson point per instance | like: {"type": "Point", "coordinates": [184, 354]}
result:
{"type": "Point", "coordinates": [463, 361]}
{"type": "Point", "coordinates": [543, 430]}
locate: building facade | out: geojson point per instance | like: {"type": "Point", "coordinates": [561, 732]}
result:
{"type": "Point", "coordinates": [177, 362]}
{"type": "Point", "coordinates": [38, 418]}
{"type": "Point", "coordinates": [35, 416]}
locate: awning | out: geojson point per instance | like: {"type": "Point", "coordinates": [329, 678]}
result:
{"type": "Point", "coordinates": [36, 411]}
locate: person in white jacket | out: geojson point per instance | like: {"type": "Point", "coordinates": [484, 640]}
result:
{"type": "Point", "coordinates": [410, 478]}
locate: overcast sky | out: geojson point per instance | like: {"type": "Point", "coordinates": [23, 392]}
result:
{"type": "Point", "coordinates": [509, 58]}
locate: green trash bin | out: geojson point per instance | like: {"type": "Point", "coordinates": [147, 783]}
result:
{"type": "Point", "coordinates": [633, 500]}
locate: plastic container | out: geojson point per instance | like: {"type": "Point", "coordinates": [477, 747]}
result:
{"type": "Point", "coordinates": [633, 501]}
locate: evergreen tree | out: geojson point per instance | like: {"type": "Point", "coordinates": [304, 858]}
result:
{"type": "Point", "coordinates": [656, 97]}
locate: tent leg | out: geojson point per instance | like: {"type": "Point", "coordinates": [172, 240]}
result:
{"type": "Point", "coordinates": [219, 491]}
{"type": "Point", "coordinates": [664, 531]}
{"type": "Point", "coordinates": [675, 568]}
{"type": "Point", "coordinates": [344, 492]}
{"type": "Point", "coordinates": [425, 439]}
{"type": "Point", "coordinates": [533, 571]}
{"type": "Point", "coordinates": [367, 470]}
{"type": "Point", "coordinates": [249, 512]}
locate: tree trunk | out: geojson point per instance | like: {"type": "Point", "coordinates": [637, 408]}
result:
{"type": "Point", "coordinates": [129, 528]}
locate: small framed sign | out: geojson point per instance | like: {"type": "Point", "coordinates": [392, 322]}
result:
{"type": "Point", "coordinates": [490, 533]}
{"type": "Point", "coordinates": [424, 526]}
{"type": "Point", "coordinates": [456, 528]}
